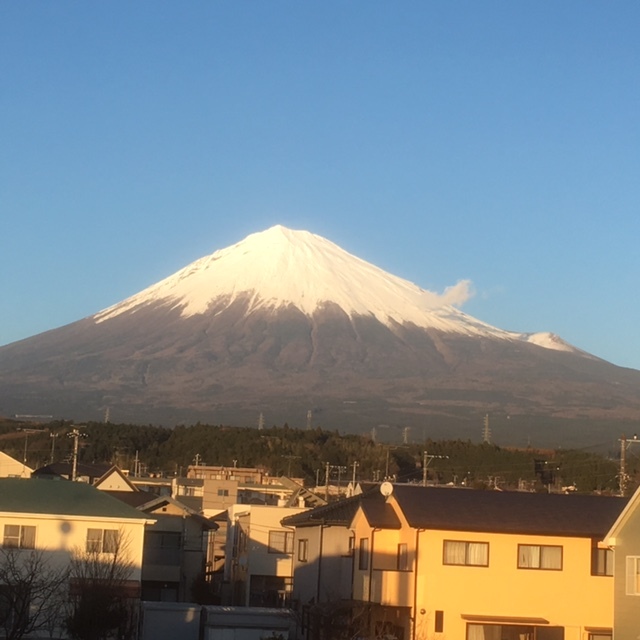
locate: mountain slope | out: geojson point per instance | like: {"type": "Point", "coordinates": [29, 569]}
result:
{"type": "Point", "coordinates": [284, 322]}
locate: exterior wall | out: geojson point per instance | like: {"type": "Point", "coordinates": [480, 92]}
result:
{"type": "Point", "coordinates": [626, 607]}
{"type": "Point", "coordinates": [219, 495]}
{"type": "Point", "coordinates": [326, 575]}
{"type": "Point", "coordinates": [255, 559]}
{"type": "Point", "coordinates": [62, 536]}
{"type": "Point", "coordinates": [571, 598]}
{"type": "Point", "coordinates": [178, 563]}
{"type": "Point", "coordinates": [114, 482]}
{"type": "Point", "coordinates": [11, 468]}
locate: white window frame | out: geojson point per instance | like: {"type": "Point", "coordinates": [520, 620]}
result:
{"type": "Point", "coordinates": [23, 538]}
{"type": "Point", "coordinates": [632, 567]}
{"type": "Point", "coordinates": [102, 540]}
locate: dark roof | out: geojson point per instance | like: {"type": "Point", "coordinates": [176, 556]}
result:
{"type": "Point", "coordinates": [341, 512]}
{"type": "Point", "coordinates": [134, 499]}
{"type": "Point", "coordinates": [507, 511]}
{"type": "Point", "coordinates": [83, 469]}
{"type": "Point", "coordinates": [61, 497]}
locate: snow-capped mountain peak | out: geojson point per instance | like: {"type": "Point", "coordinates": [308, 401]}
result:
{"type": "Point", "coordinates": [281, 267]}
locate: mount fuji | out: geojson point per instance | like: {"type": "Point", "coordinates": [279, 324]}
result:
{"type": "Point", "coordinates": [287, 324]}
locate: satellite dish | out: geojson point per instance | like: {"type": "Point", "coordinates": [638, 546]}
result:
{"type": "Point", "coordinates": [386, 489]}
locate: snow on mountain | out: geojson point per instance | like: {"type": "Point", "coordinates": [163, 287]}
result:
{"type": "Point", "coordinates": [280, 267]}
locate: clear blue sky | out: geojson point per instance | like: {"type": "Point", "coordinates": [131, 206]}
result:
{"type": "Point", "coordinates": [441, 140]}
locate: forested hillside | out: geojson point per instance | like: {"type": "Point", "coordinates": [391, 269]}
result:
{"type": "Point", "coordinates": [306, 453]}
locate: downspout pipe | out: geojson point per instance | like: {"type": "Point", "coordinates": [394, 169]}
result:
{"type": "Point", "coordinates": [415, 584]}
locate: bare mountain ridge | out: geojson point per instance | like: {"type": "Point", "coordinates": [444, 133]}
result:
{"type": "Point", "coordinates": [204, 345]}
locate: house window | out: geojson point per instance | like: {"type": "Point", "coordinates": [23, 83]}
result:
{"type": "Point", "coordinates": [600, 636]}
{"type": "Point", "coordinates": [633, 576]}
{"type": "Point", "coordinates": [223, 492]}
{"type": "Point", "coordinates": [19, 536]}
{"type": "Point", "coordinates": [513, 632]}
{"type": "Point", "coordinates": [281, 542]}
{"type": "Point", "coordinates": [402, 557]}
{"type": "Point", "coordinates": [539, 556]}
{"type": "Point", "coordinates": [363, 554]}
{"type": "Point", "coordinates": [472, 554]}
{"type": "Point", "coordinates": [602, 562]}
{"type": "Point", "coordinates": [102, 540]}
{"type": "Point", "coordinates": [303, 549]}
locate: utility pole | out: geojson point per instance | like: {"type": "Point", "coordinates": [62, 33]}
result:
{"type": "Point", "coordinates": [76, 434]}
{"type": "Point", "coordinates": [426, 459]}
{"type": "Point", "coordinates": [353, 478]}
{"type": "Point", "coordinates": [623, 476]}
{"type": "Point", "coordinates": [326, 481]}
{"type": "Point", "coordinates": [53, 437]}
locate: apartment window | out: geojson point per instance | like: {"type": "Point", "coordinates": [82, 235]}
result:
{"type": "Point", "coordinates": [539, 556]}
{"type": "Point", "coordinates": [633, 576]}
{"type": "Point", "coordinates": [303, 550]}
{"type": "Point", "coordinates": [402, 557]}
{"type": "Point", "coordinates": [472, 554]}
{"type": "Point", "coordinates": [602, 562]}
{"type": "Point", "coordinates": [223, 492]}
{"type": "Point", "coordinates": [19, 536]}
{"type": "Point", "coordinates": [363, 554]}
{"type": "Point", "coordinates": [102, 540]}
{"type": "Point", "coordinates": [281, 542]}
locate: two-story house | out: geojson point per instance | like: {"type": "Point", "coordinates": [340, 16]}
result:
{"type": "Point", "coordinates": [624, 540]}
{"type": "Point", "coordinates": [74, 529]}
{"type": "Point", "coordinates": [436, 562]}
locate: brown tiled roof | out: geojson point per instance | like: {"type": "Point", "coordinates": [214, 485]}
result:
{"type": "Point", "coordinates": [507, 511]}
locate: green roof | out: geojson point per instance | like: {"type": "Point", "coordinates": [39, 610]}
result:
{"type": "Point", "coordinates": [63, 498]}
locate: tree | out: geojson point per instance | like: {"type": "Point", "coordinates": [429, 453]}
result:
{"type": "Point", "coordinates": [102, 603]}
{"type": "Point", "coordinates": [32, 592]}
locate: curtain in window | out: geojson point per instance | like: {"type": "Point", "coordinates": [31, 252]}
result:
{"type": "Point", "coordinates": [455, 552]}
{"type": "Point", "coordinates": [529, 556]}
{"type": "Point", "coordinates": [478, 553]}
{"type": "Point", "coordinates": [551, 558]}
{"type": "Point", "coordinates": [484, 632]}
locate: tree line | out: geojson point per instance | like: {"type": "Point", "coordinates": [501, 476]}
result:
{"type": "Point", "coordinates": [308, 453]}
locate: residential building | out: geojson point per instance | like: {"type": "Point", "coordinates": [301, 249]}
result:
{"type": "Point", "coordinates": [623, 540]}
{"type": "Point", "coordinates": [12, 468]}
{"type": "Point", "coordinates": [73, 522]}
{"type": "Point", "coordinates": [175, 546]}
{"type": "Point", "coordinates": [436, 562]}
{"type": "Point", "coordinates": [259, 555]}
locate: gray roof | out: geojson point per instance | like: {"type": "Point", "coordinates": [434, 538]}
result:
{"type": "Point", "coordinates": [62, 498]}
{"type": "Point", "coordinates": [507, 511]}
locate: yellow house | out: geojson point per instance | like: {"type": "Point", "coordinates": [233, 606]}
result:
{"type": "Point", "coordinates": [437, 562]}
